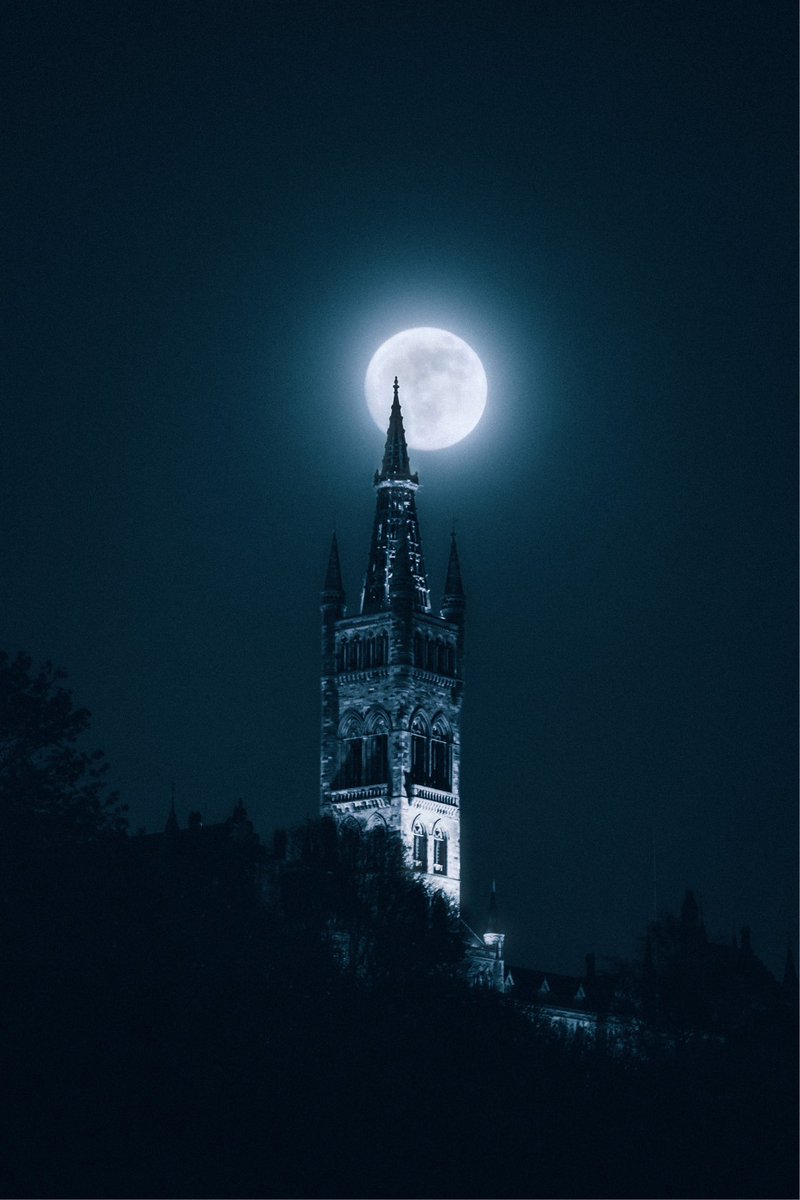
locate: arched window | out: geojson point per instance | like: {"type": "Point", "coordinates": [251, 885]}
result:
{"type": "Point", "coordinates": [439, 852]}
{"type": "Point", "coordinates": [419, 750]}
{"type": "Point", "coordinates": [419, 649]}
{"type": "Point", "coordinates": [353, 762]}
{"type": "Point", "coordinates": [355, 664]}
{"type": "Point", "coordinates": [377, 749]}
{"type": "Point", "coordinates": [441, 657]}
{"type": "Point", "coordinates": [451, 659]}
{"type": "Point", "coordinates": [351, 753]}
{"type": "Point", "coordinates": [369, 644]}
{"type": "Point", "coordinates": [420, 847]}
{"type": "Point", "coordinates": [441, 756]}
{"type": "Point", "coordinates": [381, 648]}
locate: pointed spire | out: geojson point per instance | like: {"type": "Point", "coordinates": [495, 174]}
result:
{"type": "Point", "coordinates": [333, 575]}
{"type": "Point", "coordinates": [396, 548]}
{"type": "Point", "coordinates": [453, 586]}
{"type": "Point", "coordinates": [454, 601]}
{"type": "Point", "coordinates": [395, 455]}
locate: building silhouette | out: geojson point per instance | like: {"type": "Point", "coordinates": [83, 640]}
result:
{"type": "Point", "coordinates": [392, 685]}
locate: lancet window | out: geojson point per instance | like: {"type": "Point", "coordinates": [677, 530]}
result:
{"type": "Point", "coordinates": [376, 749]}
{"type": "Point", "coordinates": [420, 847]}
{"type": "Point", "coordinates": [439, 851]}
{"type": "Point", "coordinates": [351, 761]}
{"type": "Point", "coordinates": [359, 653]}
{"type": "Point", "coordinates": [434, 654]}
{"type": "Point", "coordinates": [441, 756]}
{"type": "Point", "coordinates": [363, 751]}
{"type": "Point", "coordinates": [419, 750]}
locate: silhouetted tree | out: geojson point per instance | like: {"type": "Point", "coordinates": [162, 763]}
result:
{"type": "Point", "coordinates": [50, 787]}
{"type": "Point", "coordinates": [352, 887]}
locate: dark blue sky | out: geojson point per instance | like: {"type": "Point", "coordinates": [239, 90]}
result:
{"type": "Point", "coordinates": [216, 213]}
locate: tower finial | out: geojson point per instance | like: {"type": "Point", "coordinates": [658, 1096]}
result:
{"type": "Point", "coordinates": [396, 389]}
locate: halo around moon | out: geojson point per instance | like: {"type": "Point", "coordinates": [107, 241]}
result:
{"type": "Point", "coordinates": [442, 386]}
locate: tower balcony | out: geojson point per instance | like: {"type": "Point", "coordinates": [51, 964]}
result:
{"type": "Point", "coordinates": [374, 795]}
{"type": "Point", "coordinates": [431, 795]}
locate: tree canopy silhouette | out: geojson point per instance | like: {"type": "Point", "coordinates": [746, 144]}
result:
{"type": "Point", "coordinates": [51, 788]}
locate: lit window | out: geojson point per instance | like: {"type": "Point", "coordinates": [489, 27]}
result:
{"type": "Point", "coordinates": [420, 848]}
{"type": "Point", "coordinates": [439, 852]}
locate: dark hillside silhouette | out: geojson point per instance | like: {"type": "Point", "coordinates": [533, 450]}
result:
{"type": "Point", "coordinates": [191, 1014]}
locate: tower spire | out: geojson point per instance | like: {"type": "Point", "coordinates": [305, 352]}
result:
{"type": "Point", "coordinates": [395, 455]}
{"type": "Point", "coordinates": [396, 547]}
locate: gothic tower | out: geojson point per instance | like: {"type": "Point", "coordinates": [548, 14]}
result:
{"type": "Point", "coordinates": [392, 685]}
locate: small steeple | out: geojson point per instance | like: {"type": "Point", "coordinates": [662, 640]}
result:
{"type": "Point", "coordinates": [395, 455]}
{"type": "Point", "coordinates": [453, 585]}
{"type": "Point", "coordinates": [333, 576]}
{"type": "Point", "coordinates": [454, 601]}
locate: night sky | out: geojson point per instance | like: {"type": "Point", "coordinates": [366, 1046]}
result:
{"type": "Point", "coordinates": [215, 213]}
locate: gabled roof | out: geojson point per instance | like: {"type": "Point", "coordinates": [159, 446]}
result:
{"type": "Point", "coordinates": [580, 993]}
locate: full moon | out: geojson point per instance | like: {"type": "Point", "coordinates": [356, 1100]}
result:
{"type": "Point", "coordinates": [442, 386]}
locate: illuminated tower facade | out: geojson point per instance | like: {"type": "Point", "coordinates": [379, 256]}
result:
{"type": "Point", "coordinates": [392, 685]}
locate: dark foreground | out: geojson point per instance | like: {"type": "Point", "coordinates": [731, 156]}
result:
{"type": "Point", "coordinates": [172, 1028]}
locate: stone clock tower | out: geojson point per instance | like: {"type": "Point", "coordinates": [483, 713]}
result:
{"type": "Point", "coordinates": [392, 685]}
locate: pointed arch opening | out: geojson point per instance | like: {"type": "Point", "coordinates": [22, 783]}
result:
{"type": "Point", "coordinates": [376, 747]}
{"type": "Point", "coordinates": [441, 754]}
{"type": "Point", "coordinates": [420, 737]}
{"type": "Point", "coordinates": [351, 752]}
{"type": "Point", "coordinates": [419, 848]}
{"type": "Point", "coordinates": [439, 851]}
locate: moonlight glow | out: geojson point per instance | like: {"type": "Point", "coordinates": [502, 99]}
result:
{"type": "Point", "coordinates": [442, 386]}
